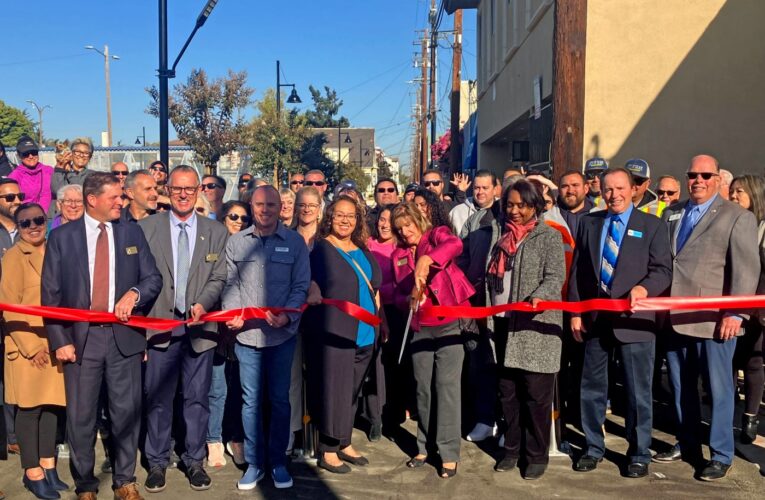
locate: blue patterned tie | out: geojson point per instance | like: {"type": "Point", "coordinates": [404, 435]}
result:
{"type": "Point", "coordinates": [182, 269]}
{"type": "Point", "coordinates": [686, 228]}
{"type": "Point", "coordinates": [610, 255]}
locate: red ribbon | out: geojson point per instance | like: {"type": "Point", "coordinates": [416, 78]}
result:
{"type": "Point", "coordinates": [609, 305]}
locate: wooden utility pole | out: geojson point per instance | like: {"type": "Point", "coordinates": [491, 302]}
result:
{"type": "Point", "coordinates": [424, 106]}
{"type": "Point", "coordinates": [455, 151]}
{"type": "Point", "coordinates": [569, 42]}
{"type": "Point", "coordinates": [433, 82]}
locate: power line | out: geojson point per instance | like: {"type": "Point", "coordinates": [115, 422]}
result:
{"type": "Point", "coordinates": [373, 78]}
{"type": "Point", "coordinates": [390, 84]}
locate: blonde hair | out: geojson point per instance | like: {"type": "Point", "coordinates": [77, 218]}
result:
{"type": "Point", "coordinates": [409, 211]}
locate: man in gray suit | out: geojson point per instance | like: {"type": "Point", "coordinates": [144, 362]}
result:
{"type": "Point", "coordinates": [715, 253]}
{"type": "Point", "coordinates": [190, 253]}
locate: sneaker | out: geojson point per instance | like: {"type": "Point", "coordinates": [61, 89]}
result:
{"type": "Point", "coordinates": [216, 456]}
{"type": "Point", "coordinates": [481, 432]}
{"type": "Point", "coordinates": [714, 470]}
{"type": "Point", "coordinates": [236, 450]}
{"type": "Point", "coordinates": [281, 477]}
{"type": "Point", "coordinates": [250, 478]}
{"type": "Point", "coordinates": [198, 478]}
{"type": "Point", "coordinates": [155, 481]}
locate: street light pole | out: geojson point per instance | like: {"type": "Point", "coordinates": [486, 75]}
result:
{"type": "Point", "coordinates": [107, 57]}
{"type": "Point", "coordinates": [292, 99]}
{"type": "Point", "coordinates": [40, 110]}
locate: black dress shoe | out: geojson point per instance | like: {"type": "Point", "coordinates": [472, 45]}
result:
{"type": "Point", "coordinates": [51, 475]}
{"type": "Point", "coordinates": [360, 461]}
{"type": "Point", "coordinates": [40, 488]}
{"type": "Point", "coordinates": [587, 463]}
{"type": "Point", "coordinates": [534, 471]}
{"type": "Point", "coordinates": [335, 469]}
{"type": "Point", "coordinates": [506, 464]}
{"type": "Point", "coordinates": [155, 481]}
{"type": "Point", "coordinates": [198, 478]}
{"type": "Point", "coordinates": [635, 470]}
{"type": "Point", "coordinates": [714, 470]}
{"type": "Point", "coordinates": [672, 455]}
{"type": "Point", "coordinates": [375, 433]}
{"type": "Point", "coordinates": [749, 425]}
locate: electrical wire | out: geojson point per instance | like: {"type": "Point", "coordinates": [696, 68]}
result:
{"type": "Point", "coordinates": [354, 87]}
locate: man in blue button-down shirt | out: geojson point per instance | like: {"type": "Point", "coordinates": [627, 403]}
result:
{"type": "Point", "coordinates": [267, 266]}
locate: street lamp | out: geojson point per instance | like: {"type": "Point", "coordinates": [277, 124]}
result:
{"type": "Point", "coordinates": [142, 136]}
{"type": "Point", "coordinates": [292, 99]}
{"type": "Point", "coordinates": [106, 57]}
{"type": "Point", "coordinates": [39, 113]}
{"type": "Point", "coordinates": [339, 136]}
{"type": "Point", "coordinates": [165, 74]}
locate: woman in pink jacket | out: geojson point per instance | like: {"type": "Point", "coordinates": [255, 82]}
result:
{"type": "Point", "coordinates": [424, 264]}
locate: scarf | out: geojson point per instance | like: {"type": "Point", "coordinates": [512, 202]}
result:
{"type": "Point", "coordinates": [504, 253]}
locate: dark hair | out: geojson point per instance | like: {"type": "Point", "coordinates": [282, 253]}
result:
{"type": "Point", "coordinates": [386, 179]}
{"type": "Point", "coordinates": [360, 233]}
{"type": "Point", "coordinates": [613, 170]}
{"type": "Point", "coordinates": [754, 186]}
{"type": "Point", "coordinates": [487, 173]}
{"type": "Point", "coordinates": [241, 177]}
{"type": "Point", "coordinates": [8, 180]}
{"type": "Point", "coordinates": [571, 172]}
{"type": "Point", "coordinates": [530, 195]}
{"type": "Point", "coordinates": [433, 171]}
{"type": "Point", "coordinates": [389, 207]}
{"type": "Point", "coordinates": [158, 162]}
{"type": "Point", "coordinates": [218, 179]}
{"type": "Point", "coordinates": [95, 183]}
{"type": "Point", "coordinates": [439, 216]}
{"type": "Point", "coordinates": [226, 208]}
{"type": "Point", "coordinates": [25, 206]}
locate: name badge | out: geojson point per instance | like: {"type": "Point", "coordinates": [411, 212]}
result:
{"type": "Point", "coordinates": [401, 262]}
{"type": "Point", "coordinates": [675, 217]}
{"type": "Point", "coordinates": [131, 250]}
{"type": "Point", "coordinates": [282, 249]}
{"type": "Point", "coordinates": [211, 257]}
{"type": "Point", "coordinates": [635, 234]}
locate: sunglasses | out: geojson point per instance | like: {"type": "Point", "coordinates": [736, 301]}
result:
{"type": "Point", "coordinates": [386, 190]}
{"type": "Point", "coordinates": [37, 221]}
{"type": "Point", "coordinates": [235, 217]}
{"type": "Point", "coordinates": [28, 154]}
{"type": "Point", "coordinates": [592, 175]}
{"type": "Point", "coordinates": [163, 206]}
{"type": "Point", "coordinates": [431, 183]}
{"type": "Point", "coordinates": [662, 192]}
{"type": "Point", "coordinates": [210, 185]}
{"type": "Point", "coordinates": [692, 176]}
{"type": "Point", "coordinates": [295, 183]}
{"type": "Point", "coordinates": [10, 198]}
{"type": "Point", "coordinates": [157, 168]}
{"type": "Point", "coordinates": [120, 173]}
{"type": "Point", "coordinates": [314, 183]}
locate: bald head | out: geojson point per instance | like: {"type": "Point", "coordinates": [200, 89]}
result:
{"type": "Point", "coordinates": [706, 161]}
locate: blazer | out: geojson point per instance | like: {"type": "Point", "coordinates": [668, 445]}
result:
{"type": "Point", "coordinates": [66, 283]}
{"type": "Point", "coordinates": [207, 276]}
{"type": "Point", "coordinates": [644, 259]}
{"type": "Point", "coordinates": [720, 258]}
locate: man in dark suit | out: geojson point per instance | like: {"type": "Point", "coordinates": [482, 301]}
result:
{"type": "Point", "coordinates": [620, 252]}
{"type": "Point", "coordinates": [190, 253]}
{"type": "Point", "coordinates": [100, 264]}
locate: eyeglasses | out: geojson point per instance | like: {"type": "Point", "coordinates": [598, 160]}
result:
{"type": "Point", "coordinates": [309, 206]}
{"type": "Point", "coordinates": [162, 207]}
{"type": "Point", "coordinates": [431, 183]}
{"type": "Point", "coordinates": [72, 203]}
{"type": "Point", "coordinates": [591, 175]}
{"type": "Point", "coordinates": [176, 190]}
{"type": "Point", "coordinates": [662, 192]}
{"type": "Point", "coordinates": [339, 217]}
{"type": "Point", "coordinates": [295, 183]}
{"type": "Point", "coordinates": [81, 154]}
{"type": "Point", "coordinates": [157, 168]}
{"type": "Point", "coordinates": [37, 221]}
{"type": "Point", "coordinates": [704, 175]}
{"type": "Point", "coordinates": [386, 190]}
{"type": "Point", "coordinates": [10, 198]}
{"type": "Point", "coordinates": [235, 217]}
{"type": "Point", "coordinates": [120, 173]}
{"type": "Point", "coordinates": [314, 183]}
{"type": "Point", "coordinates": [210, 185]}
{"type": "Point", "coordinates": [28, 154]}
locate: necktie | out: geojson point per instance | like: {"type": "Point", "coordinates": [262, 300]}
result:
{"type": "Point", "coordinates": [686, 228]}
{"type": "Point", "coordinates": [182, 269]}
{"type": "Point", "coordinates": [99, 298]}
{"type": "Point", "coordinates": [610, 255]}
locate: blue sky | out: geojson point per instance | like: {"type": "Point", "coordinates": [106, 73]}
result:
{"type": "Point", "coordinates": [361, 48]}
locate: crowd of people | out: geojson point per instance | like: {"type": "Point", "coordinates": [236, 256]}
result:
{"type": "Point", "coordinates": [164, 244]}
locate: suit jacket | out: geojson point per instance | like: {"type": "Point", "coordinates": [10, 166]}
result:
{"type": "Point", "coordinates": [66, 283]}
{"type": "Point", "coordinates": [644, 259]}
{"type": "Point", "coordinates": [207, 276]}
{"type": "Point", "coordinates": [720, 258]}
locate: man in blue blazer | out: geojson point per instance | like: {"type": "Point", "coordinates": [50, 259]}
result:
{"type": "Point", "coordinates": [100, 264]}
{"type": "Point", "coordinates": [620, 253]}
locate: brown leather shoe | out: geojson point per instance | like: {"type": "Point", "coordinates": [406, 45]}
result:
{"type": "Point", "coordinates": [13, 449]}
{"type": "Point", "coordinates": [127, 491]}
{"type": "Point", "coordinates": [87, 495]}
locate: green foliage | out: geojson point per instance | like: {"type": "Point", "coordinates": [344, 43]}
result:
{"type": "Point", "coordinates": [13, 124]}
{"type": "Point", "coordinates": [351, 171]}
{"type": "Point", "coordinates": [383, 169]}
{"type": "Point", "coordinates": [205, 113]}
{"type": "Point", "coordinates": [325, 107]}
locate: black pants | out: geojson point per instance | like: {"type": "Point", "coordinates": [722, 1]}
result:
{"type": "Point", "coordinates": [399, 378]}
{"type": "Point", "coordinates": [748, 357]}
{"type": "Point", "coordinates": [36, 430]}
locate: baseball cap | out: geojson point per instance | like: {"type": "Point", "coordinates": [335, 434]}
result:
{"type": "Point", "coordinates": [346, 185]}
{"type": "Point", "coordinates": [542, 169]}
{"type": "Point", "coordinates": [638, 168]}
{"type": "Point", "coordinates": [411, 187]}
{"type": "Point", "coordinates": [26, 144]}
{"type": "Point", "coordinates": [595, 164]}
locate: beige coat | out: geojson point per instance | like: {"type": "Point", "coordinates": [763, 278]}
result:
{"type": "Point", "coordinates": [26, 385]}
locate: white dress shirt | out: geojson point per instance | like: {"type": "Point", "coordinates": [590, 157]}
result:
{"type": "Point", "coordinates": [92, 232]}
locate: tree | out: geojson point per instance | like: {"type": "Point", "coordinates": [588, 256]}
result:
{"type": "Point", "coordinates": [352, 171]}
{"type": "Point", "coordinates": [312, 155]}
{"type": "Point", "coordinates": [203, 113]}
{"type": "Point", "coordinates": [383, 169]}
{"type": "Point", "coordinates": [324, 108]}
{"type": "Point", "coordinates": [14, 123]}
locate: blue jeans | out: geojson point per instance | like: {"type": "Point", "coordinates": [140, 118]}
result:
{"type": "Point", "coordinates": [686, 358]}
{"type": "Point", "coordinates": [275, 364]}
{"type": "Point", "coordinates": [218, 392]}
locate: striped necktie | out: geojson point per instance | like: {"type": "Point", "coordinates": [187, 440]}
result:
{"type": "Point", "coordinates": [183, 268]}
{"type": "Point", "coordinates": [610, 255]}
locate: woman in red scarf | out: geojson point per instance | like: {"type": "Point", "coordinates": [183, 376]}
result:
{"type": "Point", "coordinates": [526, 265]}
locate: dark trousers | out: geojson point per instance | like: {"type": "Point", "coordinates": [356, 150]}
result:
{"type": "Point", "coordinates": [748, 357]}
{"type": "Point", "coordinates": [437, 356]}
{"type": "Point", "coordinates": [102, 360]}
{"type": "Point", "coordinates": [482, 374]}
{"type": "Point", "coordinates": [163, 368]}
{"type": "Point", "coordinates": [637, 365]}
{"type": "Point", "coordinates": [36, 429]}
{"type": "Point", "coordinates": [361, 365]}
{"type": "Point", "coordinates": [399, 379]}
{"type": "Point", "coordinates": [527, 404]}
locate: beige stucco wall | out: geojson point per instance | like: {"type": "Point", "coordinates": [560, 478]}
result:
{"type": "Point", "coordinates": [668, 79]}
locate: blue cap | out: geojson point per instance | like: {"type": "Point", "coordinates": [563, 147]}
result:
{"type": "Point", "coordinates": [346, 185]}
{"type": "Point", "coordinates": [596, 164]}
{"type": "Point", "coordinates": [638, 168]}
